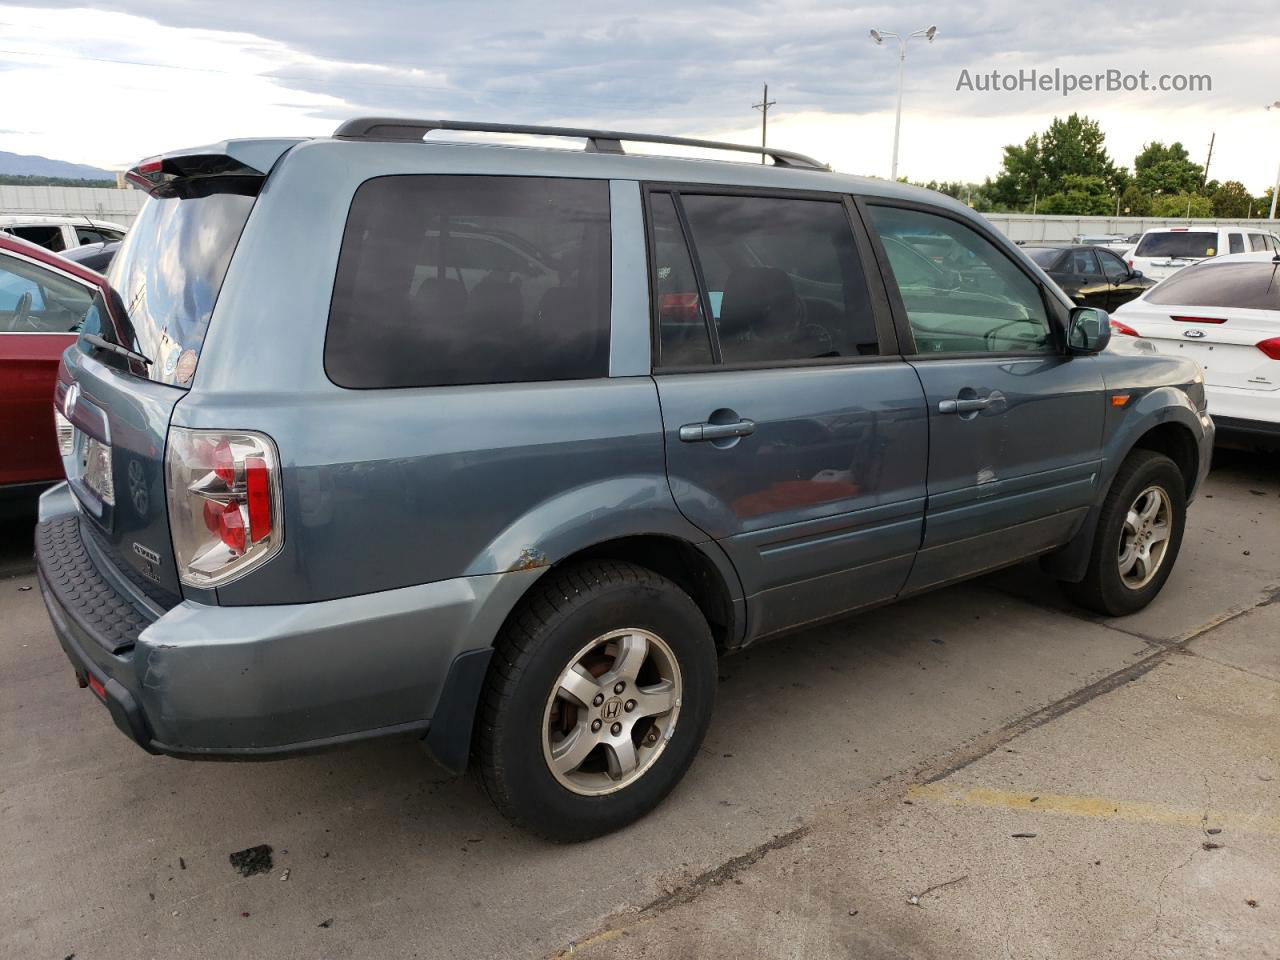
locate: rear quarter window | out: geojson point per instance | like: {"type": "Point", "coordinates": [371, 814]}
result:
{"type": "Point", "coordinates": [447, 280]}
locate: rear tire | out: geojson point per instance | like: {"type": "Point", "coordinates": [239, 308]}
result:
{"type": "Point", "coordinates": [1138, 537]}
{"type": "Point", "coordinates": [577, 733]}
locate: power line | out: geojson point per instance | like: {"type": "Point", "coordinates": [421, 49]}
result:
{"type": "Point", "coordinates": [763, 106]}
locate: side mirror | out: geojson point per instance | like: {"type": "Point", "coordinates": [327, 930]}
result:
{"type": "Point", "coordinates": [1088, 330]}
{"type": "Point", "coordinates": [1135, 274]}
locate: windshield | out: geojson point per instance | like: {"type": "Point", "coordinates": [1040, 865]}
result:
{"type": "Point", "coordinates": [1249, 286]}
{"type": "Point", "coordinates": [167, 274]}
{"type": "Point", "coordinates": [1198, 243]}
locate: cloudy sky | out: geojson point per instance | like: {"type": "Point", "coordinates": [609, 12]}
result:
{"type": "Point", "coordinates": [109, 83]}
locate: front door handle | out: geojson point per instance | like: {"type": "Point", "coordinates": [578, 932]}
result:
{"type": "Point", "coordinates": [696, 432]}
{"type": "Point", "coordinates": [970, 405]}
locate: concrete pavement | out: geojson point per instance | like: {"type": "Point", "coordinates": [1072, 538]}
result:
{"type": "Point", "coordinates": [791, 836]}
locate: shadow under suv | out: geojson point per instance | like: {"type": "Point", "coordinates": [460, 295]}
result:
{"type": "Point", "coordinates": [501, 447]}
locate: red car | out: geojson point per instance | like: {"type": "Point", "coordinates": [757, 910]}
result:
{"type": "Point", "coordinates": [43, 301]}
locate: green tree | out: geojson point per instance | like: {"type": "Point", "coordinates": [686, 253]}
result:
{"type": "Point", "coordinates": [1083, 196]}
{"type": "Point", "coordinates": [1262, 206]}
{"type": "Point", "coordinates": [1040, 166]}
{"type": "Point", "coordinates": [1181, 205]}
{"type": "Point", "coordinates": [1167, 169]}
{"type": "Point", "coordinates": [1231, 199]}
{"type": "Point", "coordinates": [1134, 203]}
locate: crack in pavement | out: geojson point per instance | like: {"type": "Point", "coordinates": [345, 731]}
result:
{"type": "Point", "coordinates": [928, 772]}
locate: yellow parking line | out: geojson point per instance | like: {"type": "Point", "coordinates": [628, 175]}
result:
{"type": "Point", "coordinates": [1100, 808]}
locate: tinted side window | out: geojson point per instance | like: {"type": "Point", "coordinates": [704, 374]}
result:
{"type": "Point", "coordinates": [783, 278]}
{"type": "Point", "coordinates": [447, 280]}
{"type": "Point", "coordinates": [49, 237]}
{"type": "Point", "coordinates": [682, 327]}
{"type": "Point", "coordinates": [1257, 242]}
{"type": "Point", "coordinates": [1235, 243]}
{"type": "Point", "coordinates": [1115, 268]}
{"type": "Point", "coordinates": [1084, 262]}
{"type": "Point", "coordinates": [975, 300]}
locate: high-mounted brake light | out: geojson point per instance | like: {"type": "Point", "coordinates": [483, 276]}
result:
{"type": "Point", "coordinates": [1198, 319]}
{"type": "Point", "coordinates": [1271, 348]}
{"type": "Point", "coordinates": [1118, 326]}
{"type": "Point", "coordinates": [224, 503]}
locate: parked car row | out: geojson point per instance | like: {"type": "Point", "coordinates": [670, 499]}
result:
{"type": "Point", "coordinates": [61, 233]}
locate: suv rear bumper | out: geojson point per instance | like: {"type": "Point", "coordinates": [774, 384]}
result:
{"type": "Point", "coordinates": [204, 681]}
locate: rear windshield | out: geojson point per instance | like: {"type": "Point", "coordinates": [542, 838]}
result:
{"type": "Point", "coordinates": [167, 274]}
{"type": "Point", "coordinates": [1251, 286]}
{"type": "Point", "coordinates": [1192, 243]}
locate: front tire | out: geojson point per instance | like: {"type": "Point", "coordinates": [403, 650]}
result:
{"type": "Point", "coordinates": [1138, 537]}
{"type": "Point", "coordinates": [599, 694]}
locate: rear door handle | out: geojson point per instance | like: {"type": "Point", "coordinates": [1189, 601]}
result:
{"type": "Point", "coordinates": [696, 432]}
{"type": "Point", "coordinates": [970, 405]}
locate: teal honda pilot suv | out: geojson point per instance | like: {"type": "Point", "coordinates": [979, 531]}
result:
{"type": "Point", "coordinates": [501, 447]}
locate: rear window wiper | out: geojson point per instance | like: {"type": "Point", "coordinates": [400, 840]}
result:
{"type": "Point", "coordinates": [102, 343]}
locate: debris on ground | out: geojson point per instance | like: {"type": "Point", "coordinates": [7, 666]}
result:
{"type": "Point", "coordinates": [1023, 836]}
{"type": "Point", "coordinates": [1214, 831]}
{"type": "Point", "coordinates": [1252, 902]}
{"type": "Point", "coordinates": [24, 590]}
{"type": "Point", "coordinates": [915, 898]}
{"type": "Point", "coordinates": [326, 924]}
{"type": "Point", "coordinates": [252, 860]}
{"type": "Point", "coordinates": [1210, 845]}
{"type": "Point", "coordinates": [284, 876]}
{"type": "Point", "coordinates": [182, 863]}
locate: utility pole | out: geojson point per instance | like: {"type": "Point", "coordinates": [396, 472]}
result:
{"type": "Point", "coordinates": [763, 106]}
{"type": "Point", "coordinates": [1205, 178]}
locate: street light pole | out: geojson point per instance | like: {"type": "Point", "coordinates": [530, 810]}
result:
{"type": "Point", "coordinates": [878, 37]}
{"type": "Point", "coordinates": [1276, 188]}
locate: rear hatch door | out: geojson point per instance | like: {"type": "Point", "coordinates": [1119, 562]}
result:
{"type": "Point", "coordinates": [137, 353]}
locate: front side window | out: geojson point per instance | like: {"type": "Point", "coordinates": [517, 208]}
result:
{"type": "Point", "coordinates": [1115, 269]}
{"type": "Point", "coordinates": [976, 300]}
{"type": "Point", "coordinates": [35, 300]}
{"type": "Point", "coordinates": [783, 278]}
{"type": "Point", "coordinates": [447, 280]}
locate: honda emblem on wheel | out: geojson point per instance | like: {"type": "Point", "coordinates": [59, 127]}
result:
{"type": "Point", "coordinates": [612, 708]}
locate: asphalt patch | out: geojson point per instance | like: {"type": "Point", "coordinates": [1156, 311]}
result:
{"type": "Point", "coordinates": [252, 860]}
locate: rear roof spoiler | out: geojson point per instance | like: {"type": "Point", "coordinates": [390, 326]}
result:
{"type": "Point", "coordinates": [159, 175]}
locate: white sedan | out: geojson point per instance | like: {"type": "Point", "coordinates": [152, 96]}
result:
{"type": "Point", "coordinates": [1224, 313]}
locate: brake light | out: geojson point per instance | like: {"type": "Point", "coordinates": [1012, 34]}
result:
{"type": "Point", "coordinates": [1198, 319]}
{"type": "Point", "coordinates": [1123, 329]}
{"type": "Point", "coordinates": [1271, 348]}
{"type": "Point", "coordinates": [224, 503]}
{"type": "Point", "coordinates": [1130, 262]}
{"type": "Point", "coordinates": [679, 306]}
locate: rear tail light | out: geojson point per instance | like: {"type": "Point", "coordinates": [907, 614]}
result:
{"type": "Point", "coordinates": [66, 435]}
{"type": "Point", "coordinates": [1130, 262]}
{"type": "Point", "coordinates": [679, 306]}
{"type": "Point", "coordinates": [1271, 348]}
{"type": "Point", "coordinates": [224, 503]}
{"type": "Point", "coordinates": [1198, 319]}
{"type": "Point", "coordinates": [1123, 329]}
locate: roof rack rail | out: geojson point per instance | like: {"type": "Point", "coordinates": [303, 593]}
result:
{"type": "Point", "coordinates": [598, 141]}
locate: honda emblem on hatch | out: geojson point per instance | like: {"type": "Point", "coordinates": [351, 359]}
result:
{"type": "Point", "coordinates": [1193, 334]}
